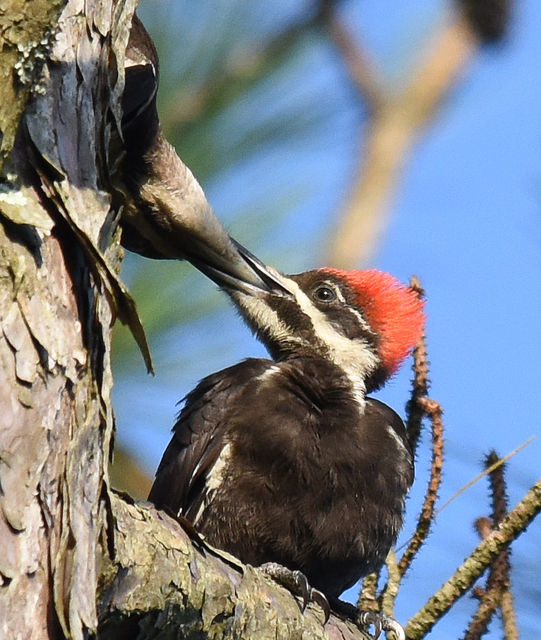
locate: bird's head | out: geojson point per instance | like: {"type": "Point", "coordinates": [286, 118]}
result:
{"type": "Point", "coordinates": [393, 311]}
{"type": "Point", "coordinates": [366, 322]}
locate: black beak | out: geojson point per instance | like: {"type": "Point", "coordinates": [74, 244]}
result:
{"type": "Point", "coordinates": [236, 269]}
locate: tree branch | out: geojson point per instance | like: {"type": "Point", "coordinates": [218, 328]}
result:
{"type": "Point", "coordinates": [426, 518]}
{"type": "Point", "coordinates": [415, 412]}
{"type": "Point", "coordinates": [361, 70]}
{"type": "Point", "coordinates": [498, 582]}
{"type": "Point", "coordinates": [158, 576]}
{"type": "Point", "coordinates": [510, 528]}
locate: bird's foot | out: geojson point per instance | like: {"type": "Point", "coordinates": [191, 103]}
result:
{"type": "Point", "coordinates": [365, 619]}
{"type": "Point", "coordinates": [381, 622]}
{"type": "Point", "coordinates": [296, 582]}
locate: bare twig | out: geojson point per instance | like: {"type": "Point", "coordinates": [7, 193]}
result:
{"type": "Point", "coordinates": [490, 597]}
{"type": "Point", "coordinates": [479, 623]}
{"type": "Point", "coordinates": [509, 529]}
{"type": "Point", "coordinates": [390, 592]}
{"type": "Point", "coordinates": [497, 487]}
{"type": "Point", "coordinates": [418, 406]}
{"type": "Point", "coordinates": [498, 578]}
{"type": "Point", "coordinates": [484, 527]}
{"type": "Point", "coordinates": [508, 616]}
{"type": "Point", "coordinates": [420, 383]}
{"type": "Point", "coordinates": [434, 411]}
{"type": "Point", "coordinates": [498, 581]}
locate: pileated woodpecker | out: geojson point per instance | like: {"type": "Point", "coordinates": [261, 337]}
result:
{"type": "Point", "coordinates": [286, 460]}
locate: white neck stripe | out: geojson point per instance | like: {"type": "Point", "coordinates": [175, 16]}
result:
{"type": "Point", "coordinates": [352, 356]}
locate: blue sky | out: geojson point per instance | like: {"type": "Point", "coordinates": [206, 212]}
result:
{"type": "Point", "coordinates": [465, 219]}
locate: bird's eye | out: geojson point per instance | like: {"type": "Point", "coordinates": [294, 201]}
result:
{"type": "Point", "coordinates": [323, 293]}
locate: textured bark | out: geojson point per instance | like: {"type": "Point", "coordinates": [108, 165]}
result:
{"type": "Point", "coordinates": [160, 582]}
{"type": "Point", "coordinates": [77, 560]}
{"type": "Point", "coordinates": [25, 37]}
{"type": "Point", "coordinates": [70, 549]}
{"type": "Point", "coordinates": [58, 298]}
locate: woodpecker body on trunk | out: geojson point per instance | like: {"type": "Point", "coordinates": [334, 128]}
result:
{"type": "Point", "coordinates": [287, 460]}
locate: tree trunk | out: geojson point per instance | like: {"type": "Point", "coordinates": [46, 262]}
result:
{"type": "Point", "coordinates": [75, 558]}
{"type": "Point", "coordinates": [55, 376]}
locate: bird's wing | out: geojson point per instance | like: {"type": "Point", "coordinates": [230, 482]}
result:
{"type": "Point", "coordinates": [398, 453]}
{"type": "Point", "coordinates": [199, 437]}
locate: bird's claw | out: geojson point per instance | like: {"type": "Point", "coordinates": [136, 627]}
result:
{"type": "Point", "coordinates": [297, 583]}
{"type": "Point", "coordinates": [320, 598]}
{"type": "Point", "coordinates": [392, 626]}
{"type": "Point", "coordinates": [382, 622]}
{"type": "Point", "coordinates": [309, 594]}
{"type": "Point", "coordinates": [368, 618]}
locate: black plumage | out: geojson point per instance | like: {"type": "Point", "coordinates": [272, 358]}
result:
{"type": "Point", "coordinates": [309, 479]}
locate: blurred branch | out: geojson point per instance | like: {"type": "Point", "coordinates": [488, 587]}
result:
{"type": "Point", "coordinates": [360, 68]}
{"type": "Point", "coordinates": [394, 124]}
{"type": "Point", "coordinates": [472, 568]}
{"type": "Point", "coordinates": [127, 475]}
{"type": "Point", "coordinates": [232, 76]}
{"type": "Point", "coordinates": [396, 120]}
{"type": "Point", "coordinates": [489, 19]}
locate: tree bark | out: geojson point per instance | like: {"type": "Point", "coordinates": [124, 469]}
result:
{"type": "Point", "coordinates": [162, 581]}
{"type": "Point", "coordinates": [77, 559]}
{"type": "Point", "coordinates": [59, 297]}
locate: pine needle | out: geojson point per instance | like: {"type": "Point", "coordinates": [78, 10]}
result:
{"type": "Point", "coordinates": [486, 471]}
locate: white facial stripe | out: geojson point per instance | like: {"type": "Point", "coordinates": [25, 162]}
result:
{"type": "Point", "coordinates": [351, 355]}
{"type": "Point", "coordinates": [266, 317]}
{"type": "Point", "coordinates": [339, 294]}
{"type": "Point", "coordinates": [361, 319]}
{"type": "Point", "coordinates": [355, 312]}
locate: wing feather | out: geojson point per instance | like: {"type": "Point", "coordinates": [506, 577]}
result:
{"type": "Point", "coordinates": [199, 437]}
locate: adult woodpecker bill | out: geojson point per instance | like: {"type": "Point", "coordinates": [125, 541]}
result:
{"type": "Point", "coordinates": [287, 460]}
{"type": "Point", "coordinates": [165, 214]}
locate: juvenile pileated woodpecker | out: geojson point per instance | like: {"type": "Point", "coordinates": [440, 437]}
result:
{"type": "Point", "coordinates": [286, 460]}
